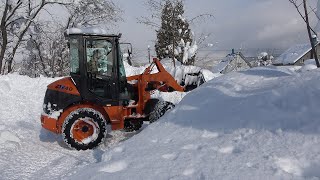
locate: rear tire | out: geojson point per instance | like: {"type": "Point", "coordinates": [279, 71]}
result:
{"type": "Point", "coordinates": [84, 129]}
{"type": "Point", "coordinates": [159, 110]}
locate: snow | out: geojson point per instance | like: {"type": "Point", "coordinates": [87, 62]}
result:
{"type": "Point", "coordinates": [181, 18]}
{"type": "Point", "coordinates": [308, 67]}
{"type": "Point", "coordinates": [190, 50]}
{"type": "Point", "coordinates": [293, 54]}
{"type": "Point", "coordinates": [263, 54]}
{"type": "Point", "coordinates": [210, 45]}
{"type": "Point", "coordinates": [173, 97]}
{"type": "Point", "coordinates": [52, 113]}
{"type": "Point", "coordinates": [114, 167]}
{"type": "Point", "coordinates": [87, 30]}
{"type": "Point", "coordinates": [257, 124]}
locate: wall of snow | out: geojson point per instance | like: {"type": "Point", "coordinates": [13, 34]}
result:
{"type": "Point", "coordinates": [257, 124]}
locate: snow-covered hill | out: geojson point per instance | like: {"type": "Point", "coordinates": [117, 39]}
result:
{"type": "Point", "coordinates": [258, 124]}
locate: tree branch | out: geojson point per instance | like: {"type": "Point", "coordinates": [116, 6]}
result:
{"type": "Point", "coordinates": [13, 11]}
{"type": "Point", "coordinates": [202, 16]}
{"type": "Point", "coordinates": [294, 2]}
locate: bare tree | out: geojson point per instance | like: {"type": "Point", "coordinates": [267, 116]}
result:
{"type": "Point", "coordinates": [49, 42]}
{"type": "Point", "coordinates": [17, 17]}
{"type": "Point", "coordinates": [305, 16]}
{"type": "Point", "coordinates": [93, 12]}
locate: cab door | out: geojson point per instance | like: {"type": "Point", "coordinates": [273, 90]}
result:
{"type": "Point", "coordinates": [101, 71]}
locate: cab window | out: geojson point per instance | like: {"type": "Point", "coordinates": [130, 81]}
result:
{"type": "Point", "coordinates": [74, 56]}
{"type": "Point", "coordinates": [99, 57]}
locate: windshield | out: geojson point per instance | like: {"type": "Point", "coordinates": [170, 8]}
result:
{"type": "Point", "coordinates": [99, 57]}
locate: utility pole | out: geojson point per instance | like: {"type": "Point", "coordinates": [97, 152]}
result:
{"type": "Point", "coordinates": [313, 51]}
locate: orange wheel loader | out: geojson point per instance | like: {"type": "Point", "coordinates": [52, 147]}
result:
{"type": "Point", "coordinates": [98, 94]}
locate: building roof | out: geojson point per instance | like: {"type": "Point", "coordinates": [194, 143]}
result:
{"type": "Point", "coordinates": [223, 64]}
{"type": "Point", "coordinates": [225, 61]}
{"type": "Point", "coordinates": [293, 54]}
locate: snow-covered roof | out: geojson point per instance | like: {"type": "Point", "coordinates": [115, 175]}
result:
{"type": "Point", "coordinates": [88, 31]}
{"type": "Point", "coordinates": [293, 54]}
{"type": "Point", "coordinates": [223, 64]}
{"type": "Point", "coordinates": [227, 60]}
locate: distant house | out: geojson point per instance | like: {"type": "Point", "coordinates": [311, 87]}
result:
{"type": "Point", "coordinates": [296, 55]}
{"type": "Point", "coordinates": [232, 62]}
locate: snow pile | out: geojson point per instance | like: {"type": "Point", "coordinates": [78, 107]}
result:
{"type": "Point", "coordinates": [132, 70]}
{"type": "Point", "coordinates": [173, 97]}
{"type": "Point", "coordinates": [309, 65]}
{"type": "Point", "coordinates": [258, 124]}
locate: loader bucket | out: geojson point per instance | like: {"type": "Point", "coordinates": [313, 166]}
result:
{"type": "Point", "coordinates": [192, 80]}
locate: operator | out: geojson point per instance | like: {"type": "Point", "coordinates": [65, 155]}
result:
{"type": "Point", "coordinates": [93, 63]}
{"type": "Point", "coordinates": [101, 61]}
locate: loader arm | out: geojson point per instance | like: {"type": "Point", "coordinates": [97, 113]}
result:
{"type": "Point", "coordinates": [162, 77]}
{"type": "Point", "coordinates": [162, 81]}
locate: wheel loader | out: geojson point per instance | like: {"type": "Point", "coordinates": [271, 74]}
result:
{"type": "Point", "coordinates": [97, 94]}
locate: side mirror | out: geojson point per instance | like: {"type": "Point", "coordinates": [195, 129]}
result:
{"type": "Point", "coordinates": [128, 46]}
{"type": "Point", "coordinates": [130, 53]}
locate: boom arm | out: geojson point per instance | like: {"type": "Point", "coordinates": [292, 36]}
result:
{"type": "Point", "coordinates": [161, 80]}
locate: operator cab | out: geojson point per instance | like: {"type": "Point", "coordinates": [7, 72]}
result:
{"type": "Point", "coordinates": [96, 66]}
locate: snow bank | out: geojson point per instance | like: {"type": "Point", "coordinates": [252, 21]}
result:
{"type": "Point", "coordinates": [258, 124]}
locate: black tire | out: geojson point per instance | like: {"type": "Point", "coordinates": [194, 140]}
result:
{"type": "Point", "coordinates": [131, 125]}
{"type": "Point", "coordinates": [159, 110]}
{"type": "Point", "coordinates": [91, 120]}
{"type": "Point", "coordinates": [150, 106]}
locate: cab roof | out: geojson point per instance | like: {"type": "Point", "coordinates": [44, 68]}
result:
{"type": "Point", "coordinates": [89, 31]}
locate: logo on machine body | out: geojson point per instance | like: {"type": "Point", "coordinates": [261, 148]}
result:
{"type": "Point", "coordinates": [63, 87]}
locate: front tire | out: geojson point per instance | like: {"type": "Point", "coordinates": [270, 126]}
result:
{"type": "Point", "coordinates": [84, 129]}
{"type": "Point", "coordinates": [159, 110]}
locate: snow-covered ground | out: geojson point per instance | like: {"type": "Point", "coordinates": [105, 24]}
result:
{"type": "Point", "coordinates": [257, 124]}
{"type": "Point", "coordinates": [28, 151]}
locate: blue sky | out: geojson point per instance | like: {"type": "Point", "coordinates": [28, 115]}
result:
{"type": "Point", "coordinates": [237, 23]}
